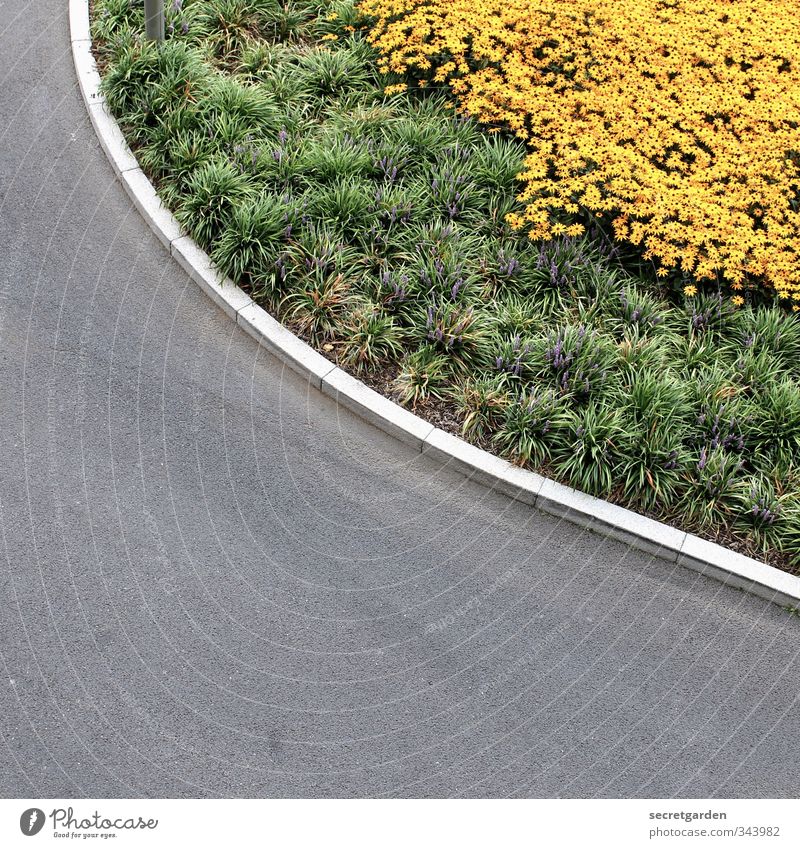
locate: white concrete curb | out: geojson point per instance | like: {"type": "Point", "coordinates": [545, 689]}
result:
{"type": "Point", "coordinates": [551, 497]}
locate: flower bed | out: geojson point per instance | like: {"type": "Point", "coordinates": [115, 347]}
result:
{"type": "Point", "coordinates": [378, 223]}
{"type": "Point", "coordinates": [675, 119]}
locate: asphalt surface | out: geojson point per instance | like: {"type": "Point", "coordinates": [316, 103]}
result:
{"type": "Point", "coordinates": [213, 582]}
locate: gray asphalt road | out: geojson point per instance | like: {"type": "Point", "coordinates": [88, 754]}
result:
{"type": "Point", "coordinates": [215, 583]}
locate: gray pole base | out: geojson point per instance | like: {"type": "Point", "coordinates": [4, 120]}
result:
{"type": "Point", "coordinates": [154, 20]}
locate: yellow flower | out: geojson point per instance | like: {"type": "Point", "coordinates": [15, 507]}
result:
{"type": "Point", "coordinates": [330, 37]}
{"type": "Point", "coordinates": [737, 300]}
{"type": "Point", "coordinates": [626, 134]}
{"type": "Point", "coordinates": [690, 291]}
{"type": "Point", "coordinates": [395, 89]}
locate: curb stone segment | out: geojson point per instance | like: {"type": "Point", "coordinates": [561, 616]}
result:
{"type": "Point", "coordinates": [79, 26]}
{"type": "Point", "coordinates": [523, 485]}
{"type": "Point", "coordinates": [228, 297]}
{"type": "Point", "coordinates": [111, 139]}
{"type": "Point", "coordinates": [161, 221]}
{"type": "Point", "coordinates": [283, 343]}
{"type": "Point", "coordinates": [375, 408]}
{"type": "Point", "coordinates": [731, 568]}
{"type": "Point", "coordinates": [86, 69]}
{"type": "Point", "coordinates": [609, 519]}
{"type": "Point", "coordinates": [477, 464]}
{"type": "Point", "coordinates": [551, 497]}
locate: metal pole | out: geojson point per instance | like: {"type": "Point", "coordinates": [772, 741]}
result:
{"type": "Point", "coordinates": [154, 20]}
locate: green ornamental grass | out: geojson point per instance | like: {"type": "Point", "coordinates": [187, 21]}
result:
{"type": "Point", "coordinates": [373, 224]}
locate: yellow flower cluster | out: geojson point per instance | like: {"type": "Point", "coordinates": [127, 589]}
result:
{"type": "Point", "coordinates": [676, 120]}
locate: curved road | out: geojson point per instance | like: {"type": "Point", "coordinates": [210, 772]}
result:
{"type": "Point", "coordinates": [215, 583]}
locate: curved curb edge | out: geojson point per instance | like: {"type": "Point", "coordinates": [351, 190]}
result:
{"type": "Point", "coordinates": [592, 513]}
